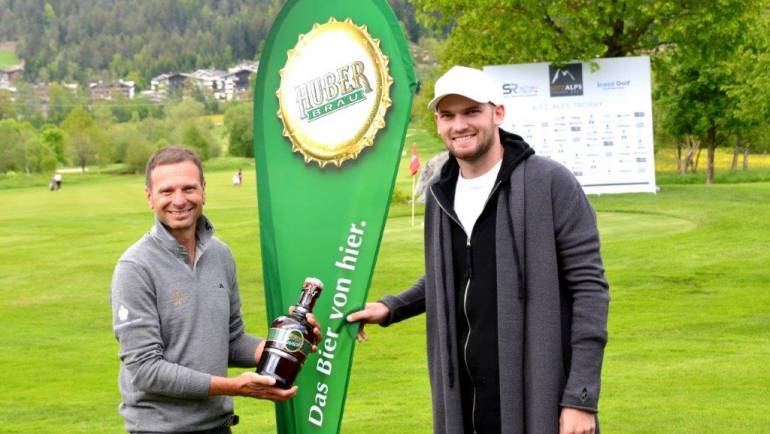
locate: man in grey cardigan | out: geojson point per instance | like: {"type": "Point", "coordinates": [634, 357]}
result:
{"type": "Point", "coordinates": [177, 314]}
{"type": "Point", "coordinates": [514, 289]}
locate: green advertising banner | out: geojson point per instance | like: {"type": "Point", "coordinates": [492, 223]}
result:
{"type": "Point", "coordinates": [331, 104]}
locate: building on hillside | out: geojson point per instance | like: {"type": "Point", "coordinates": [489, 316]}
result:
{"type": "Point", "coordinates": [233, 84]}
{"type": "Point", "coordinates": [9, 75]}
{"type": "Point", "coordinates": [108, 91]}
{"type": "Point", "coordinates": [211, 82]}
{"type": "Point", "coordinates": [238, 81]}
{"type": "Point", "coordinates": [250, 65]}
{"type": "Point", "coordinates": [168, 85]}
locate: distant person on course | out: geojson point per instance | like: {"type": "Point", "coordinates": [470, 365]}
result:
{"type": "Point", "coordinates": [177, 314]}
{"type": "Point", "coordinates": [514, 289]}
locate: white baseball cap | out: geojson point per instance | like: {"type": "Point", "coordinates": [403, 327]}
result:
{"type": "Point", "coordinates": [468, 82]}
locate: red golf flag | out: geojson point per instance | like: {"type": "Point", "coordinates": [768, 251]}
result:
{"type": "Point", "coordinates": [414, 165]}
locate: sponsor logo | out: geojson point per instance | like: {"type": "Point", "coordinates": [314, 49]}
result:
{"type": "Point", "coordinates": [514, 90]}
{"type": "Point", "coordinates": [294, 341]}
{"type": "Point", "coordinates": [290, 340]}
{"type": "Point", "coordinates": [613, 85]}
{"type": "Point", "coordinates": [178, 297]}
{"type": "Point", "coordinates": [334, 92]}
{"type": "Point", "coordinates": [122, 313]}
{"type": "Point", "coordinates": [566, 80]}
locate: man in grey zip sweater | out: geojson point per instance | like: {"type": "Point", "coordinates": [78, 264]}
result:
{"type": "Point", "coordinates": [177, 314]}
{"type": "Point", "coordinates": [514, 289]}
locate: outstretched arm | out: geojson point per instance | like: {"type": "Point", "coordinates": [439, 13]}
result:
{"type": "Point", "coordinates": [391, 308]}
{"type": "Point", "coordinates": [373, 313]}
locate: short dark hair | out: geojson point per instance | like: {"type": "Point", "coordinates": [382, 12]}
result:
{"type": "Point", "coordinates": [171, 155]}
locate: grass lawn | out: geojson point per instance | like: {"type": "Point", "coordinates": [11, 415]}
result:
{"type": "Point", "coordinates": [689, 318]}
{"type": "Point", "coordinates": [8, 58]}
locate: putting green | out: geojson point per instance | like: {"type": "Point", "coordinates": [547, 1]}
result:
{"type": "Point", "coordinates": [623, 226]}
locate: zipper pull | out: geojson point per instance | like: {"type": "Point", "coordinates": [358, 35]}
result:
{"type": "Point", "coordinates": [468, 260]}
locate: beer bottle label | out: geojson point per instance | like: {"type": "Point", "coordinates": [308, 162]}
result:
{"type": "Point", "coordinates": [290, 341]}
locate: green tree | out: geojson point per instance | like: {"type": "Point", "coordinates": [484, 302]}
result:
{"type": "Point", "coordinates": [6, 104]}
{"type": "Point", "coordinates": [53, 137]}
{"type": "Point", "coordinates": [137, 153]}
{"type": "Point", "coordinates": [19, 142]}
{"type": "Point", "coordinates": [49, 14]}
{"type": "Point", "coordinates": [11, 150]}
{"type": "Point", "coordinates": [184, 110]}
{"type": "Point", "coordinates": [102, 114]}
{"type": "Point", "coordinates": [27, 105]}
{"type": "Point", "coordinates": [695, 74]}
{"type": "Point", "coordinates": [486, 32]}
{"type": "Point", "coordinates": [750, 90]}
{"type": "Point", "coordinates": [62, 102]}
{"type": "Point", "coordinates": [240, 130]}
{"type": "Point", "coordinates": [197, 135]}
{"type": "Point", "coordinates": [40, 157]}
{"type": "Point", "coordinates": [138, 108]}
{"type": "Point", "coordinates": [490, 32]}
{"type": "Point", "coordinates": [85, 142]}
{"type": "Point", "coordinates": [210, 104]}
{"type": "Point", "coordinates": [121, 136]}
{"type": "Point", "coordinates": [188, 125]}
{"type": "Point", "coordinates": [157, 130]}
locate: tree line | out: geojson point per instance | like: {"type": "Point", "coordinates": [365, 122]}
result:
{"type": "Point", "coordinates": [84, 41]}
{"type": "Point", "coordinates": [709, 59]}
{"type": "Point", "coordinates": [95, 135]}
{"type": "Point", "coordinates": [89, 40]}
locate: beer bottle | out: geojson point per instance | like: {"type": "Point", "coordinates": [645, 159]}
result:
{"type": "Point", "coordinates": [290, 338]}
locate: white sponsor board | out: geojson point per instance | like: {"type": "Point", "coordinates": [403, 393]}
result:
{"type": "Point", "coordinates": [597, 123]}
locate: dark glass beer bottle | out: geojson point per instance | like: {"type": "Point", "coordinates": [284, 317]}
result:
{"type": "Point", "coordinates": [290, 338]}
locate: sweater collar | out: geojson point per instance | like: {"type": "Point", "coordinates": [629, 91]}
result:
{"type": "Point", "coordinates": [204, 230]}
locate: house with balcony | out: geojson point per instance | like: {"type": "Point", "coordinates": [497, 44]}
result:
{"type": "Point", "coordinates": [165, 86]}
{"type": "Point", "coordinates": [238, 81]}
{"type": "Point", "coordinates": [108, 91]}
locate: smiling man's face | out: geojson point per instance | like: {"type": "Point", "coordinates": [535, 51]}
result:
{"type": "Point", "coordinates": [176, 196]}
{"type": "Point", "coordinates": [467, 127]}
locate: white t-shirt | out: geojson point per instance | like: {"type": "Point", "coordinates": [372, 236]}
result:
{"type": "Point", "coordinates": [472, 194]}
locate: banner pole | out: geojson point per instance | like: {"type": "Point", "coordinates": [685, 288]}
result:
{"type": "Point", "coordinates": [412, 200]}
